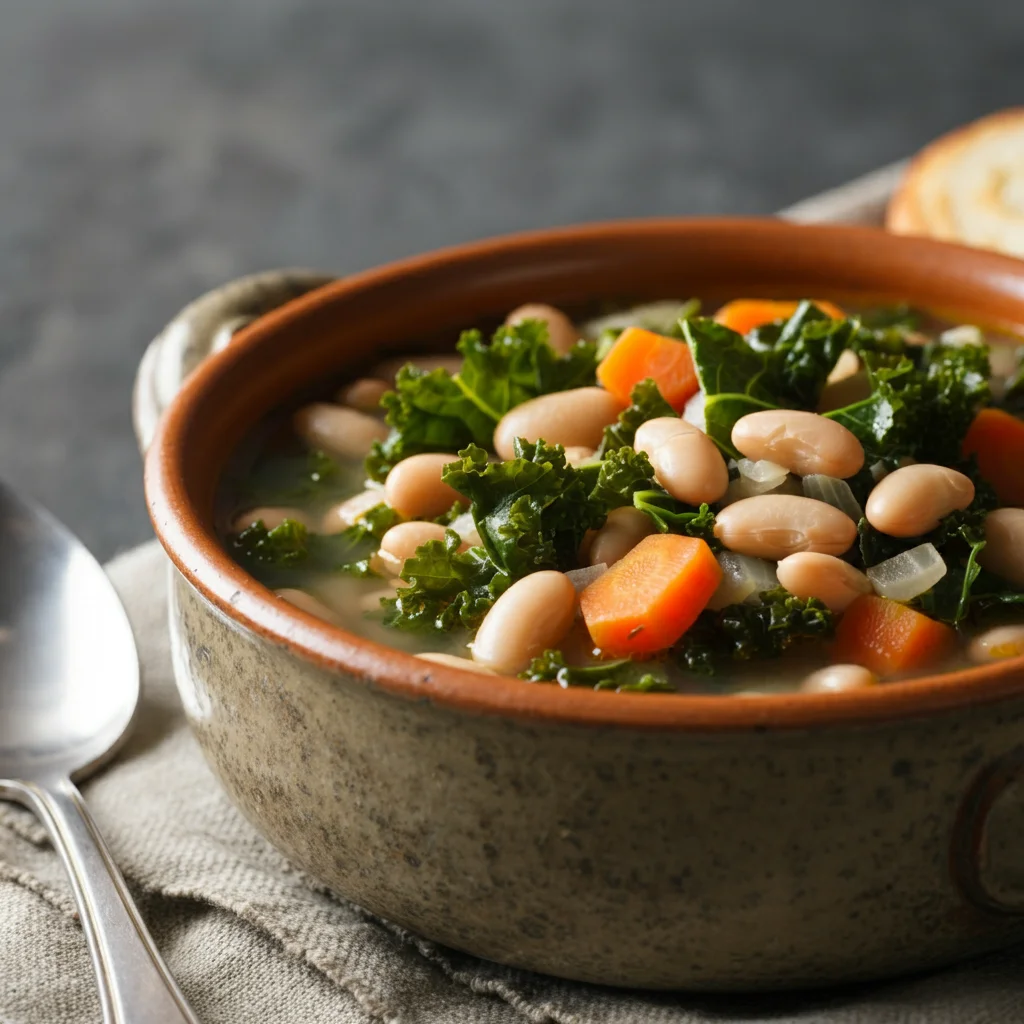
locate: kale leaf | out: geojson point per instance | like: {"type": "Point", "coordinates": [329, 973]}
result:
{"type": "Point", "coordinates": [742, 632]}
{"type": "Point", "coordinates": [646, 403]}
{"type": "Point", "coordinates": [284, 545]}
{"type": "Point", "coordinates": [439, 411]}
{"type": "Point", "coordinates": [532, 511]}
{"type": "Point", "coordinates": [622, 676]}
{"type": "Point", "coordinates": [621, 474]}
{"type": "Point", "coordinates": [446, 588]}
{"type": "Point", "coordinates": [672, 516]}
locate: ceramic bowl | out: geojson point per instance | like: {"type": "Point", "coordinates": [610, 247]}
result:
{"type": "Point", "coordinates": [661, 841]}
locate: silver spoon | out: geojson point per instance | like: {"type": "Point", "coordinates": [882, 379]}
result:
{"type": "Point", "coordinates": [69, 685]}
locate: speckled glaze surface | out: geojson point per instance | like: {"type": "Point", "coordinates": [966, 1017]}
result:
{"type": "Point", "coordinates": [655, 841]}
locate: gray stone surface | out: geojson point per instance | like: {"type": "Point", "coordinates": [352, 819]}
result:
{"type": "Point", "coordinates": [151, 150]}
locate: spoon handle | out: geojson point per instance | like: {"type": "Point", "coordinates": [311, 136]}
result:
{"type": "Point", "coordinates": [134, 982]}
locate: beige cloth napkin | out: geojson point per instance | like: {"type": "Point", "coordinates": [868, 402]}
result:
{"type": "Point", "coordinates": [252, 939]}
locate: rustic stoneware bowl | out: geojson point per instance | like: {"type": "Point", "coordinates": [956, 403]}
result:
{"type": "Point", "coordinates": [661, 841]}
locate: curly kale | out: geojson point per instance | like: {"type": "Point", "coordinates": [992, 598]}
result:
{"type": "Point", "coordinates": [622, 676]}
{"type": "Point", "coordinates": [440, 411]}
{"type": "Point", "coordinates": [646, 403]}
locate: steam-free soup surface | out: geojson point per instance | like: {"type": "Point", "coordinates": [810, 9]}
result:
{"type": "Point", "coordinates": [785, 495]}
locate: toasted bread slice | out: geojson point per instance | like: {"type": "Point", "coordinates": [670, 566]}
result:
{"type": "Point", "coordinates": [967, 186]}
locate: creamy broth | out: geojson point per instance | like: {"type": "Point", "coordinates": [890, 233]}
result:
{"type": "Point", "coordinates": [835, 465]}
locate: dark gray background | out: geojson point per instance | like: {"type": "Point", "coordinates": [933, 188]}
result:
{"type": "Point", "coordinates": [150, 150]}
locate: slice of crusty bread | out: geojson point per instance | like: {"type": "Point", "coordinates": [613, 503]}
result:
{"type": "Point", "coordinates": [967, 186]}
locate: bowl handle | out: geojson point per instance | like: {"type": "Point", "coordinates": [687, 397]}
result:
{"type": "Point", "coordinates": [988, 839]}
{"type": "Point", "coordinates": [203, 327]}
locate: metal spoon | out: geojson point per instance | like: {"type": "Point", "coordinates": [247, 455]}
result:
{"type": "Point", "coordinates": [69, 685]}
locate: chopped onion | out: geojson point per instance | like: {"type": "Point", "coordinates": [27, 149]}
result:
{"type": "Point", "coordinates": [837, 394]}
{"type": "Point", "coordinates": [834, 492]}
{"type": "Point", "coordinates": [847, 365]}
{"type": "Point", "coordinates": [762, 472]}
{"type": "Point", "coordinates": [962, 336]}
{"type": "Point", "coordinates": [693, 412]}
{"type": "Point", "coordinates": [654, 316]}
{"type": "Point", "coordinates": [743, 579]}
{"type": "Point", "coordinates": [372, 485]}
{"type": "Point", "coordinates": [878, 470]}
{"type": "Point", "coordinates": [1005, 359]}
{"type": "Point", "coordinates": [908, 574]}
{"type": "Point", "coordinates": [582, 578]}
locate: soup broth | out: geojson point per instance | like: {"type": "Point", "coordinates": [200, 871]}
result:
{"type": "Point", "coordinates": [783, 496]}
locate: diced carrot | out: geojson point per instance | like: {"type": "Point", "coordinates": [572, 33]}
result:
{"type": "Point", "coordinates": [889, 638]}
{"type": "Point", "coordinates": [997, 439]}
{"type": "Point", "coordinates": [743, 315]}
{"type": "Point", "coordinates": [638, 354]}
{"type": "Point", "coordinates": [648, 599]}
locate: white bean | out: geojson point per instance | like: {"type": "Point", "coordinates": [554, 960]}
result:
{"type": "Point", "coordinates": [803, 442]}
{"type": "Point", "coordinates": [831, 580]}
{"type": "Point", "coordinates": [400, 543]}
{"type": "Point", "coordinates": [307, 603]}
{"type": "Point", "coordinates": [338, 518]}
{"type": "Point", "coordinates": [414, 487]}
{"type": "Point", "coordinates": [622, 531]}
{"type": "Point", "coordinates": [575, 418]}
{"type": "Point", "coordinates": [535, 613]}
{"type": "Point", "coordinates": [364, 394]}
{"type": "Point", "coordinates": [686, 462]}
{"type": "Point", "coordinates": [562, 332]}
{"type": "Point", "coordinates": [271, 516]}
{"type": "Point", "coordinates": [454, 661]}
{"type": "Point", "coordinates": [996, 644]}
{"type": "Point", "coordinates": [1003, 552]}
{"type": "Point", "coordinates": [912, 500]}
{"type": "Point", "coordinates": [837, 678]}
{"type": "Point", "coordinates": [338, 430]}
{"type": "Point", "coordinates": [776, 525]}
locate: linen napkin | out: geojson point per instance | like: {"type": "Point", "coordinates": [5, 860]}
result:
{"type": "Point", "coordinates": [252, 939]}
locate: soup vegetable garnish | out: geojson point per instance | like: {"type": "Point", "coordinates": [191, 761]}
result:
{"type": "Point", "coordinates": [781, 495]}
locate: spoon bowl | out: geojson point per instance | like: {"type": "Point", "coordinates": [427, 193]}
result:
{"type": "Point", "coordinates": [69, 686]}
{"type": "Point", "coordinates": [69, 674]}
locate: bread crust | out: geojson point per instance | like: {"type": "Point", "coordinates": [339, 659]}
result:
{"type": "Point", "coordinates": [906, 213]}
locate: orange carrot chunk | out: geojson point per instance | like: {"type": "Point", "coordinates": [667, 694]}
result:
{"type": "Point", "coordinates": [648, 599]}
{"type": "Point", "coordinates": [889, 638]}
{"type": "Point", "coordinates": [638, 354]}
{"type": "Point", "coordinates": [997, 439]}
{"type": "Point", "coordinates": [743, 315]}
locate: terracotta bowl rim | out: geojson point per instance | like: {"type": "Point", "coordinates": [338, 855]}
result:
{"type": "Point", "coordinates": [199, 557]}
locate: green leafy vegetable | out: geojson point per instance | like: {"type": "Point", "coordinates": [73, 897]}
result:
{"type": "Point", "coordinates": [284, 545]}
{"type": "Point", "coordinates": [742, 632]}
{"type": "Point", "coordinates": [622, 676]}
{"type": "Point", "coordinates": [621, 474]}
{"type": "Point", "coordinates": [646, 403]}
{"type": "Point", "coordinates": [672, 516]}
{"type": "Point", "coordinates": [438, 411]}
{"type": "Point", "coordinates": [531, 512]}
{"type": "Point", "coordinates": [447, 588]}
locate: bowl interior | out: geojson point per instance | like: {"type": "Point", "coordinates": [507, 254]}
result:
{"type": "Point", "coordinates": [422, 303]}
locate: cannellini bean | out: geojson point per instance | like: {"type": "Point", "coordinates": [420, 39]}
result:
{"type": "Point", "coordinates": [912, 500]}
{"type": "Point", "coordinates": [270, 516]}
{"type": "Point", "coordinates": [454, 661]}
{"type": "Point", "coordinates": [777, 525]}
{"type": "Point", "coordinates": [575, 418]}
{"type": "Point", "coordinates": [687, 463]}
{"type": "Point", "coordinates": [364, 394]}
{"type": "Point", "coordinates": [307, 603]}
{"type": "Point", "coordinates": [831, 580]}
{"type": "Point", "coordinates": [535, 613]}
{"type": "Point", "coordinates": [622, 531]}
{"type": "Point", "coordinates": [577, 454]}
{"type": "Point", "coordinates": [400, 543]}
{"type": "Point", "coordinates": [562, 332]}
{"type": "Point", "coordinates": [837, 678]}
{"type": "Point", "coordinates": [338, 430]}
{"type": "Point", "coordinates": [388, 369]}
{"type": "Point", "coordinates": [338, 518]}
{"type": "Point", "coordinates": [1003, 552]}
{"type": "Point", "coordinates": [414, 487]}
{"type": "Point", "coordinates": [996, 644]}
{"type": "Point", "coordinates": [803, 442]}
